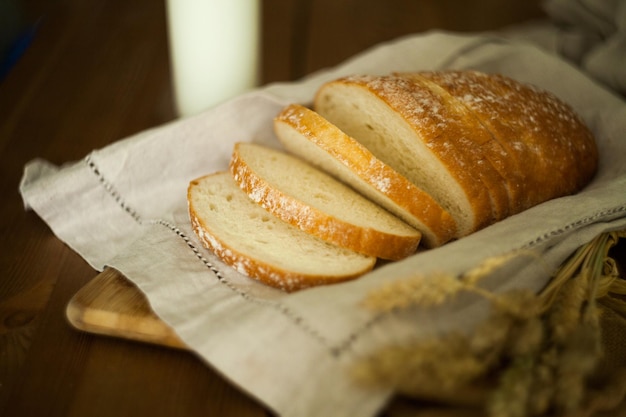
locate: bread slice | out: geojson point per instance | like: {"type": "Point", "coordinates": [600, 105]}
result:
{"type": "Point", "coordinates": [410, 128]}
{"type": "Point", "coordinates": [551, 152]}
{"type": "Point", "coordinates": [312, 200]}
{"type": "Point", "coordinates": [261, 246]}
{"type": "Point", "coordinates": [306, 134]}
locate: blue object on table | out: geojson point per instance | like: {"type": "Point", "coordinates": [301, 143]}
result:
{"type": "Point", "coordinates": [15, 50]}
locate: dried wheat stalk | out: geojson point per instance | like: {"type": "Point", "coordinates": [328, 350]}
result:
{"type": "Point", "coordinates": [533, 356]}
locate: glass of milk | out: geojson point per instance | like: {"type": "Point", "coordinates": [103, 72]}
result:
{"type": "Point", "coordinates": [214, 49]}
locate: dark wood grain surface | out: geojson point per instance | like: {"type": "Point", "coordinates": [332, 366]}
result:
{"type": "Point", "coordinates": [98, 71]}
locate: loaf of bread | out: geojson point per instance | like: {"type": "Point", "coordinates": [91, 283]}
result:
{"type": "Point", "coordinates": [315, 202]}
{"type": "Point", "coordinates": [381, 161]}
{"type": "Point", "coordinates": [311, 137]}
{"type": "Point", "coordinates": [546, 150]}
{"type": "Point", "coordinates": [255, 243]}
{"type": "Point", "coordinates": [484, 146]}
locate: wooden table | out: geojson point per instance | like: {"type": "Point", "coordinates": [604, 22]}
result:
{"type": "Point", "coordinates": [98, 71]}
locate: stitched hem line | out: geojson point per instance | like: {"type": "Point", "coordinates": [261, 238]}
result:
{"type": "Point", "coordinates": [574, 225]}
{"type": "Point", "coordinates": [283, 309]}
{"type": "Point", "coordinates": [339, 348]}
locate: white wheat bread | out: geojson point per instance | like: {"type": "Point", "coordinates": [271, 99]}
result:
{"type": "Point", "coordinates": [315, 202]}
{"type": "Point", "coordinates": [255, 243]}
{"type": "Point", "coordinates": [409, 128]}
{"type": "Point", "coordinates": [550, 151]}
{"type": "Point", "coordinates": [538, 146]}
{"type": "Point", "coordinates": [306, 134]}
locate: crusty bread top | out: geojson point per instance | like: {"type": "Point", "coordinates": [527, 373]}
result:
{"type": "Point", "coordinates": [255, 243]}
{"type": "Point", "coordinates": [486, 153]}
{"type": "Point", "coordinates": [312, 200]}
{"type": "Point", "coordinates": [488, 132]}
{"type": "Point", "coordinates": [409, 127]}
{"type": "Point", "coordinates": [306, 134]}
{"type": "Point", "coordinates": [551, 151]}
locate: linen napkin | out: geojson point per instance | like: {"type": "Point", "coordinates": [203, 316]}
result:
{"type": "Point", "coordinates": [124, 206]}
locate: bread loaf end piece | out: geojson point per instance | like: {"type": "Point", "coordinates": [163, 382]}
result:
{"type": "Point", "coordinates": [255, 243]}
{"type": "Point", "coordinates": [315, 202]}
{"type": "Point", "coordinates": [308, 135]}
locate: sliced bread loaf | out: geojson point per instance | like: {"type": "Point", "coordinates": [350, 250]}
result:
{"type": "Point", "coordinates": [408, 127]}
{"type": "Point", "coordinates": [485, 151]}
{"type": "Point", "coordinates": [261, 246]}
{"type": "Point", "coordinates": [306, 134]}
{"type": "Point", "coordinates": [315, 202]}
{"type": "Point", "coordinates": [550, 151]}
{"type": "Point", "coordinates": [483, 145]}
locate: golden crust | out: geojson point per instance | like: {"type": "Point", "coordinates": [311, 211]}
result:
{"type": "Point", "coordinates": [450, 141]}
{"type": "Point", "coordinates": [551, 152]}
{"type": "Point", "coordinates": [536, 147]}
{"type": "Point", "coordinates": [484, 150]}
{"type": "Point", "coordinates": [363, 240]}
{"type": "Point", "coordinates": [437, 226]}
{"type": "Point", "coordinates": [461, 85]}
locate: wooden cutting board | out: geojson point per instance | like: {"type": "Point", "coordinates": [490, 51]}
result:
{"type": "Point", "coordinates": [111, 305]}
